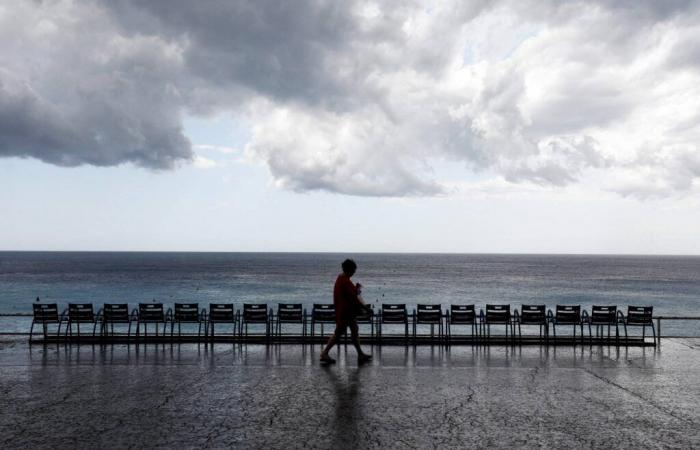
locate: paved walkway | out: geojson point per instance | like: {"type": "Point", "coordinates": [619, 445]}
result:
{"type": "Point", "coordinates": [191, 396]}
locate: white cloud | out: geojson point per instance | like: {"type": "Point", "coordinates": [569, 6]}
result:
{"type": "Point", "coordinates": [362, 98]}
{"type": "Point", "coordinates": [200, 162]}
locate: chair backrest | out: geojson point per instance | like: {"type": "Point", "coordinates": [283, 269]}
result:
{"type": "Point", "coordinates": [462, 314]}
{"type": "Point", "coordinates": [221, 312]}
{"type": "Point", "coordinates": [80, 312]}
{"type": "Point", "coordinates": [255, 313]}
{"type": "Point", "coordinates": [429, 313]}
{"type": "Point", "coordinates": [568, 314]}
{"type": "Point", "coordinates": [639, 315]}
{"type": "Point", "coordinates": [497, 313]}
{"type": "Point", "coordinates": [186, 312]}
{"type": "Point", "coordinates": [604, 314]}
{"type": "Point", "coordinates": [323, 313]}
{"type": "Point", "coordinates": [394, 313]}
{"type": "Point", "coordinates": [290, 313]}
{"type": "Point", "coordinates": [533, 314]}
{"type": "Point", "coordinates": [151, 312]}
{"type": "Point", "coordinates": [45, 312]}
{"type": "Point", "coordinates": [115, 312]}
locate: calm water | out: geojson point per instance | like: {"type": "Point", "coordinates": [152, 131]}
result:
{"type": "Point", "coordinates": [670, 284]}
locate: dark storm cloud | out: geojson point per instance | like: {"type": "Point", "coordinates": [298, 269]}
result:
{"type": "Point", "coordinates": [279, 49]}
{"type": "Point", "coordinates": [103, 132]}
{"type": "Point", "coordinates": [74, 92]}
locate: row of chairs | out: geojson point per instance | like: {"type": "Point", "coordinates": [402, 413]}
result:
{"type": "Point", "coordinates": [147, 314]}
{"type": "Point", "coordinates": [390, 314]}
{"type": "Point", "coordinates": [600, 317]}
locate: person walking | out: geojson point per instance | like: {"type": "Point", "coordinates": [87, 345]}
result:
{"type": "Point", "coordinates": [347, 299]}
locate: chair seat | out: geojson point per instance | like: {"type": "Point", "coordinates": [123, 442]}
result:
{"type": "Point", "coordinates": [602, 322]}
{"type": "Point", "coordinates": [497, 322]}
{"type": "Point", "coordinates": [533, 322]}
{"type": "Point", "coordinates": [428, 322]}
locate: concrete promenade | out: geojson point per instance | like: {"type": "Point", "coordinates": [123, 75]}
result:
{"type": "Point", "coordinates": [200, 396]}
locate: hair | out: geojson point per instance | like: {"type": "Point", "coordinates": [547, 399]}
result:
{"type": "Point", "coordinates": [349, 266]}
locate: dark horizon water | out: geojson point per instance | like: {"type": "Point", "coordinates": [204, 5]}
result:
{"type": "Point", "coordinates": [669, 283]}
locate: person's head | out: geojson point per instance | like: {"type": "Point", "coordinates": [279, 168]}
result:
{"type": "Point", "coordinates": [349, 267]}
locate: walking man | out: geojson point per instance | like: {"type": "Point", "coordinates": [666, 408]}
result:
{"type": "Point", "coordinates": [347, 300]}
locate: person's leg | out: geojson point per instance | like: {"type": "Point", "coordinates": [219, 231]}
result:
{"type": "Point", "coordinates": [355, 336]}
{"type": "Point", "coordinates": [329, 345]}
{"type": "Point", "coordinates": [339, 331]}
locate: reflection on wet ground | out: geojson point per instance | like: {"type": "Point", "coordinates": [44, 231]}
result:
{"type": "Point", "coordinates": [279, 396]}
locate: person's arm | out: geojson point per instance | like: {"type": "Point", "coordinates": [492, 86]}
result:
{"type": "Point", "coordinates": [360, 300]}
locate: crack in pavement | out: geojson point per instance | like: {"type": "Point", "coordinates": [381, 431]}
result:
{"type": "Point", "coordinates": [684, 344]}
{"type": "Point", "coordinates": [640, 397]}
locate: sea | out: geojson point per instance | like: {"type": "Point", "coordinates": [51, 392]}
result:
{"type": "Point", "coordinates": [671, 284]}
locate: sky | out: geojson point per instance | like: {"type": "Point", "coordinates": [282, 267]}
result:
{"type": "Point", "coordinates": [388, 126]}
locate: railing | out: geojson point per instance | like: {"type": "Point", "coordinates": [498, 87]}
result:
{"type": "Point", "coordinates": [3, 328]}
{"type": "Point", "coordinates": [672, 318]}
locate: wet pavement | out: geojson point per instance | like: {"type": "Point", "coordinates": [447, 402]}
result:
{"type": "Point", "coordinates": [199, 396]}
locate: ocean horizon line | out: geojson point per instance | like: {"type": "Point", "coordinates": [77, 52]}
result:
{"type": "Point", "coordinates": [350, 252]}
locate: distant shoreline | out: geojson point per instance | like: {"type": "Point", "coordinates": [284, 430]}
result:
{"type": "Point", "coordinates": [204, 252]}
